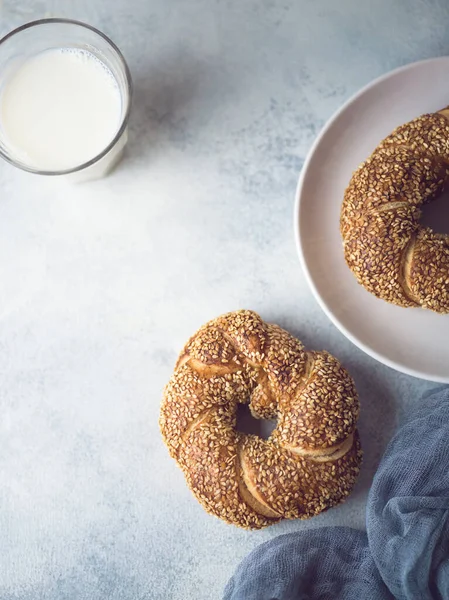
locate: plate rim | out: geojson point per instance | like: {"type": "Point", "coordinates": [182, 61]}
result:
{"type": "Point", "coordinates": [397, 366]}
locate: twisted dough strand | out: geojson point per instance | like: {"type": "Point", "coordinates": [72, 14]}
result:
{"type": "Point", "coordinates": [390, 254]}
{"type": "Point", "coordinates": [311, 460]}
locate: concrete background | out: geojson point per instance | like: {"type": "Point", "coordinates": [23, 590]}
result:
{"type": "Point", "coordinates": [101, 284]}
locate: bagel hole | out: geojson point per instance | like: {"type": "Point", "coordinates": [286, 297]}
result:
{"type": "Point", "coordinates": [436, 214]}
{"type": "Point", "coordinates": [246, 423]}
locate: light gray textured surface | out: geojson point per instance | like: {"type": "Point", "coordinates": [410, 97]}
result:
{"type": "Point", "coordinates": [101, 284]}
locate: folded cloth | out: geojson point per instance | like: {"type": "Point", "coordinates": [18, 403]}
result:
{"type": "Point", "coordinates": [405, 552]}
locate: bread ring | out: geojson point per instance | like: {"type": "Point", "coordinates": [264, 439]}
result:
{"type": "Point", "coordinates": [386, 248]}
{"type": "Point", "coordinates": [312, 458]}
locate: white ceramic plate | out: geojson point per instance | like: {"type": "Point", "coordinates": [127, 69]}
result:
{"type": "Point", "coordinates": [411, 340]}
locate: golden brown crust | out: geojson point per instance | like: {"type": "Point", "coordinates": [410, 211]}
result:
{"type": "Point", "coordinates": [428, 279]}
{"type": "Point", "coordinates": [375, 247]}
{"type": "Point", "coordinates": [208, 458]}
{"type": "Point", "coordinates": [311, 460]}
{"type": "Point", "coordinates": [380, 216]}
{"type": "Point", "coordinates": [296, 486]}
{"type": "Point", "coordinates": [324, 412]}
{"type": "Point", "coordinates": [188, 395]}
{"type": "Point", "coordinates": [427, 133]}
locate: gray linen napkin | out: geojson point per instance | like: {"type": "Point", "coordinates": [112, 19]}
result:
{"type": "Point", "coordinates": [405, 552]}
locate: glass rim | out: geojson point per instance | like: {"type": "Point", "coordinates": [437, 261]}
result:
{"type": "Point", "coordinates": [129, 88]}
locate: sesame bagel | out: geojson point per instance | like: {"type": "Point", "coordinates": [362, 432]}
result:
{"type": "Point", "coordinates": [389, 252]}
{"type": "Point", "coordinates": [312, 458]}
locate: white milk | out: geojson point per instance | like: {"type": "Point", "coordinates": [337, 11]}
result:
{"type": "Point", "coordinates": [60, 109]}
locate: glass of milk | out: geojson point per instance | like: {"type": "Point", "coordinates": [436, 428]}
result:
{"type": "Point", "coordinates": [65, 96]}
